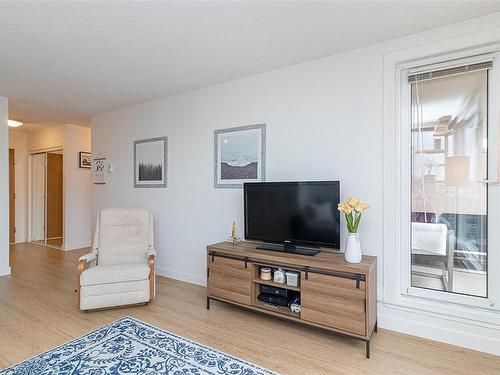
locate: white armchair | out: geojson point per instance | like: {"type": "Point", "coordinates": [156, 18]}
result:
{"type": "Point", "coordinates": [120, 269]}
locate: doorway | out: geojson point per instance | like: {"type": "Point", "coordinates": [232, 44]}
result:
{"type": "Point", "coordinates": [47, 203]}
{"type": "Point", "coordinates": [12, 196]}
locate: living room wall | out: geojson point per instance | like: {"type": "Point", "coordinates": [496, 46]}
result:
{"type": "Point", "coordinates": [315, 131]}
{"type": "Point", "coordinates": [324, 122]}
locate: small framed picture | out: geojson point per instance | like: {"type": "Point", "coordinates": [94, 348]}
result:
{"type": "Point", "coordinates": [85, 160]}
{"type": "Point", "coordinates": [240, 156]}
{"type": "Point", "coordinates": [150, 163]}
{"type": "Point", "coordinates": [99, 174]}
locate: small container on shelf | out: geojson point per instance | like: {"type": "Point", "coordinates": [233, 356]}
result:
{"type": "Point", "coordinates": [279, 276]}
{"type": "Point", "coordinates": [295, 305]}
{"type": "Point", "coordinates": [292, 278]}
{"type": "Point", "coordinates": [265, 273]}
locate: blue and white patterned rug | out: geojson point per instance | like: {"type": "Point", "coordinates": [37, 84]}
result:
{"type": "Point", "coordinates": [129, 346]}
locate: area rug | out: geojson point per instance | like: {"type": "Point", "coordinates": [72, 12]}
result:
{"type": "Point", "coordinates": [130, 346]}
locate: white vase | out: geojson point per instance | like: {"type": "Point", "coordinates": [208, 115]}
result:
{"type": "Point", "coordinates": [352, 248]}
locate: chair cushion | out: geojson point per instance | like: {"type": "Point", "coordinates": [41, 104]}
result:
{"type": "Point", "coordinates": [123, 236]}
{"type": "Point", "coordinates": [429, 238]}
{"type": "Point", "coordinates": [114, 288]}
{"type": "Point", "coordinates": [112, 295]}
{"type": "Point", "coordinates": [108, 274]}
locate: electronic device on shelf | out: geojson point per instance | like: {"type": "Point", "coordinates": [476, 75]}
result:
{"type": "Point", "coordinates": [294, 217]}
{"type": "Point", "coordinates": [273, 299]}
{"type": "Point", "coordinates": [267, 289]}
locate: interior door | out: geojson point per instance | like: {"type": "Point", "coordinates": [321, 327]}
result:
{"type": "Point", "coordinates": [54, 195]}
{"type": "Point", "coordinates": [12, 197]}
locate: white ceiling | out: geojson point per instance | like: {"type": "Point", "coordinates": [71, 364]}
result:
{"type": "Point", "coordinates": [62, 62]}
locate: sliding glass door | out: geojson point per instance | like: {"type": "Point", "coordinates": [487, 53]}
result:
{"type": "Point", "coordinates": [449, 188]}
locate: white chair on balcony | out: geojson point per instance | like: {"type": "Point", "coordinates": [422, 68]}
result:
{"type": "Point", "coordinates": [434, 242]}
{"type": "Point", "coordinates": [120, 269]}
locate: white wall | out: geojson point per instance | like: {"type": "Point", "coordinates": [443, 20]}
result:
{"type": "Point", "coordinates": [45, 138]}
{"type": "Point", "coordinates": [77, 189]}
{"type": "Point", "coordinates": [324, 121]}
{"type": "Point", "coordinates": [19, 142]}
{"type": "Point", "coordinates": [307, 139]}
{"type": "Point", "coordinates": [4, 187]}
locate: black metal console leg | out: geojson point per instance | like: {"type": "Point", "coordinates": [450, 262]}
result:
{"type": "Point", "coordinates": [376, 326]}
{"type": "Point", "coordinates": [208, 303]}
{"type": "Point", "coordinates": [367, 349]}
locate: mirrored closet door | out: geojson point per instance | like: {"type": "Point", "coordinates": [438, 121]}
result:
{"type": "Point", "coordinates": [47, 199]}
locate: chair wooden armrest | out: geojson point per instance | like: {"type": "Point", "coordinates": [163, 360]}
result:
{"type": "Point", "coordinates": [151, 277]}
{"type": "Point", "coordinates": [83, 261]}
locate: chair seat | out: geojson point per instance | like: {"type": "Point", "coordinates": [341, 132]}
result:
{"type": "Point", "coordinates": [117, 273]}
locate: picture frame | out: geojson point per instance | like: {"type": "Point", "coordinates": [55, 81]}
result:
{"type": "Point", "coordinates": [84, 160]}
{"type": "Point", "coordinates": [239, 156]}
{"type": "Point", "coordinates": [150, 163]}
{"type": "Point", "coordinates": [99, 170]}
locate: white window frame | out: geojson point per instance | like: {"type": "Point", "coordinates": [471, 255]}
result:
{"type": "Point", "coordinates": [397, 290]}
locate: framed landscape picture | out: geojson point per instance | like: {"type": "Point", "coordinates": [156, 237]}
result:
{"type": "Point", "coordinates": [150, 163]}
{"type": "Point", "coordinates": [85, 160]}
{"type": "Point", "coordinates": [240, 155]}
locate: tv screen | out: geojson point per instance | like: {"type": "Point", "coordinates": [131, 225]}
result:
{"type": "Point", "coordinates": [302, 213]}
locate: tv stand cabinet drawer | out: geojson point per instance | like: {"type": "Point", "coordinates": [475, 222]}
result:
{"type": "Point", "coordinates": [334, 302]}
{"type": "Point", "coordinates": [229, 279]}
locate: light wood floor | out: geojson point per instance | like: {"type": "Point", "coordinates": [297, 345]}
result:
{"type": "Point", "coordinates": [38, 312]}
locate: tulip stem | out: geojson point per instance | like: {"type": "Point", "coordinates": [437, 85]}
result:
{"type": "Point", "coordinates": [352, 222]}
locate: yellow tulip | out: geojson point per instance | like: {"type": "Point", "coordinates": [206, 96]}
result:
{"type": "Point", "coordinates": [352, 201]}
{"type": "Point", "coordinates": [344, 208]}
{"type": "Point", "coordinates": [360, 206]}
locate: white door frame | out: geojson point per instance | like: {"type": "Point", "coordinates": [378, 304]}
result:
{"type": "Point", "coordinates": [396, 201]}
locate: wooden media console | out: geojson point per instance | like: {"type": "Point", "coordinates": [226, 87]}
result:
{"type": "Point", "coordinates": [334, 295]}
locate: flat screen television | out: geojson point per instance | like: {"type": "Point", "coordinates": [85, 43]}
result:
{"type": "Point", "coordinates": [293, 217]}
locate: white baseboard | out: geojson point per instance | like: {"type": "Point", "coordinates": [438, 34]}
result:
{"type": "Point", "coordinates": [440, 329]}
{"type": "Point", "coordinates": [179, 275]}
{"type": "Point", "coordinates": [5, 271]}
{"type": "Point", "coordinates": [76, 246]}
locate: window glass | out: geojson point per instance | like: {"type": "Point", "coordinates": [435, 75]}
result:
{"type": "Point", "coordinates": [449, 249]}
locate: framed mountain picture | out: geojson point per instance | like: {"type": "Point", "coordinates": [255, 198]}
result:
{"type": "Point", "coordinates": [240, 156]}
{"type": "Point", "coordinates": [150, 163]}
